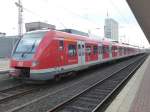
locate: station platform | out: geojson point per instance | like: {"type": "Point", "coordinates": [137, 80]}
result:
{"type": "Point", "coordinates": [4, 65]}
{"type": "Point", "coordinates": [135, 96]}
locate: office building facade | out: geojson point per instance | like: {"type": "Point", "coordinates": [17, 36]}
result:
{"type": "Point", "coordinates": [111, 29]}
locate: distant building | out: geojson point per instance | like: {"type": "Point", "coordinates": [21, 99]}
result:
{"type": "Point", "coordinates": [38, 25]}
{"type": "Point", "coordinates": [6, 45]}
{"type": "Point", "coordinates": [111, 29]}
{"type": "Point", "coordinates": [12, 36]}
{"type": "Point", "coordinates": [2, 34]}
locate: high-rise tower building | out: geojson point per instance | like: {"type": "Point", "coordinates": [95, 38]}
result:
{"type": "Point", "coordinates": [111, 29]}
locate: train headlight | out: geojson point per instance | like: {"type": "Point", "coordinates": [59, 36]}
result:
{"type": "Point", "coordinates": [35, 63]}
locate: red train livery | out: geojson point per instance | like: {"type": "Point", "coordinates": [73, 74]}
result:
{"type": "Point", "coordinates": [47, 54]}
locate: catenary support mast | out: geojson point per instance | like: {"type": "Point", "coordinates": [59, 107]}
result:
{"type": "Point", "coordinates": [20, 18]}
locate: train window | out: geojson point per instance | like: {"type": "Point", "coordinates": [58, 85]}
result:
{"type": "Point", "coordinates": [88, 50]}
{"type": "Point", "coordinates": [105, 49]}
{"type": "Point", "coordinates": [79, 46]}
{"type": "Point", "coordinates": [82, 46]}
{"type": "Point", "coordinates": [100, 49]}
{"type": "Point", "coordinates": [79, 50]}
{"type": "Point", "coordinates": [95, 50]}
{"type": "Point", "coordinates": [113, 48]}
{"type": "Point", "coordinates": [125, 50]}
{"type": "Point", "coordinates": [61, 45]}
{"type": "Point", "coordinates": [83, 50]}
{"type": "Point", "coordinates": [120, 49]}
{"type": "Point", "coordinates": [72, 50]}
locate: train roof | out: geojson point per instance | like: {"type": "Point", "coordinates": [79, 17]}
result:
{"type": "Point", "coordinates": [73, 35]}
{"type": "Point", "coordinates": [37, 31]}
{"type": "Point", "coordinates": [73, 31]}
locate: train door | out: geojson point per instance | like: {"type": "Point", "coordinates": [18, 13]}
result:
{"type": "Point", "coordinates": [111, 51]}
{"type": "Point", "coordinates": [61, 51]}
{"type": "Point", "coordinates": [106, 51]}
{"type": "Point", "coordinates": [81, 52]}
{"type": "Point", "coordinates": [100, 52]}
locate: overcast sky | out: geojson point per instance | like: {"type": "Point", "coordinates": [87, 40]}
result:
{"type": "Point", "coordinates": [78, 14]}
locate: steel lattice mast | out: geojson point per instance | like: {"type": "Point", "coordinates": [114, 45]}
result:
{"type": "Point", "coordinates": [20, 18]}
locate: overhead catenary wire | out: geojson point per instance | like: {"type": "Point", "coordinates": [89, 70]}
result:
{"type": "Point", "coordinates": [41, 17]}
{"type": "Point", "coordinates": [122, 16]}
{"type": "Point", "coordinates": [84, 17]}
{"type": "Point", "coordinates": [119, 12]}
{"type": "Point", "coordinates": [61, 23]}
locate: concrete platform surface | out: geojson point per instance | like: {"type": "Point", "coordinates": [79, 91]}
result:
{"type": "Point", "coordinates": [4, 64]}
{"type": "Point", "coordinates": [135, 96]}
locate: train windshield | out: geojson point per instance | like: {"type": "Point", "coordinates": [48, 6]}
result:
{"type": "Point", "coordinates": [29, 42]}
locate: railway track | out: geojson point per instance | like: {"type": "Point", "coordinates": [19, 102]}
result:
{"type": "Point", "coordinates": [91, 99]}
{"type": "Point", "coordinates": [4, 76]}
{"type": "Point", "coordinates": [28, 106]}
{"type": "Point", "coordinates": [16, 91]}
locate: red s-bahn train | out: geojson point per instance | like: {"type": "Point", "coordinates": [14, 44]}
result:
{"type": "Point", "coordinates": [48, 54]}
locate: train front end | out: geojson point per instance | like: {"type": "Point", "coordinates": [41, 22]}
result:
{"type": "Point", "coordinates": [25, 56]}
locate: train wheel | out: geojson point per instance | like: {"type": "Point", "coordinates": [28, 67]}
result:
{"type": "Point", "coordinates": [57, 78]}
{"type": "Point", "coordinates": [73, 74]}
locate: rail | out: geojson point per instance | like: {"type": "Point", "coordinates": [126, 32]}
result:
{"type": "Point", "coordinates": [91, 99]}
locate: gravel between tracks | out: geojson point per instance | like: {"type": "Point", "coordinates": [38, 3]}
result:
{"type": "Point", "coordinates": [8, 83]}
{"type": "Point", "coordinates": [50, 101]}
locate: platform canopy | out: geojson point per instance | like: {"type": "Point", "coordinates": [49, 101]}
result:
{"type": "Point", "coordinates": [141, 10]}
